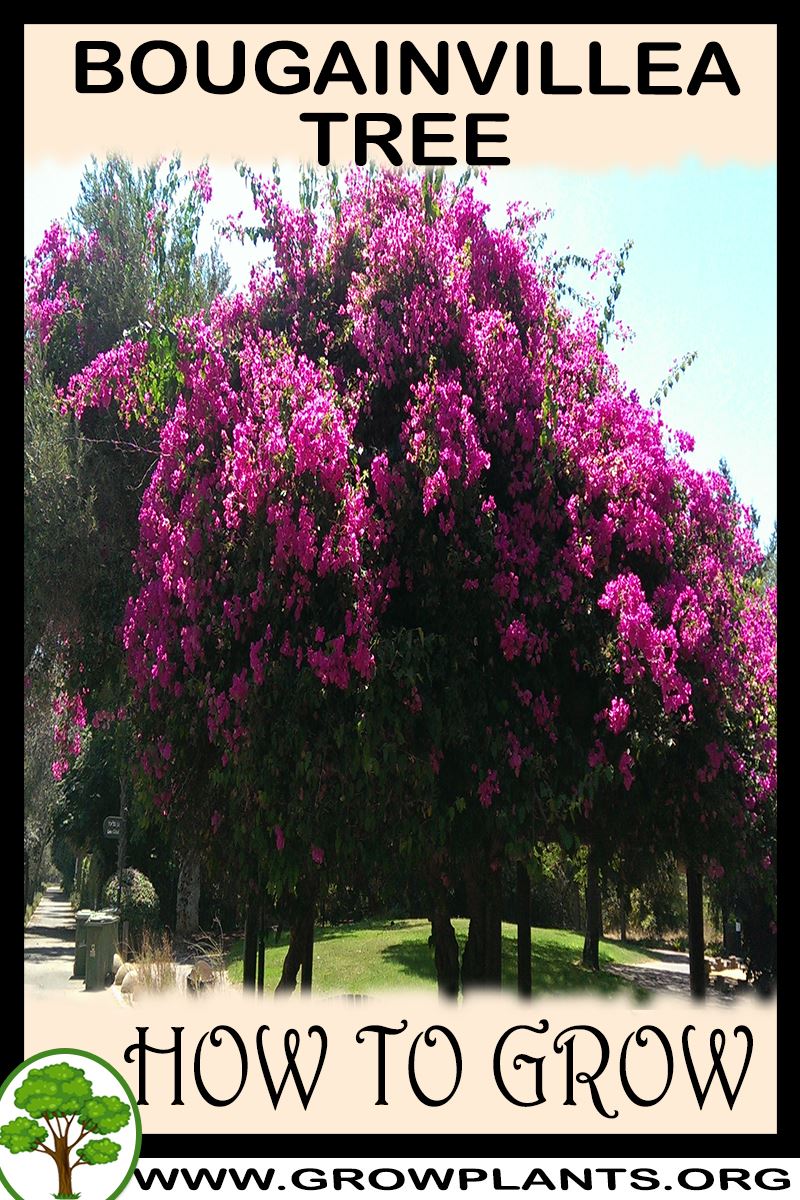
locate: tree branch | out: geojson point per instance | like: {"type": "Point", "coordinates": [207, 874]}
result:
{"type": "Point", "coordinates": [45, 1149]}
{"type": "Point", "coordinates": [80, 1137]}
{"type": "Point", "coordinates": [116, 443]}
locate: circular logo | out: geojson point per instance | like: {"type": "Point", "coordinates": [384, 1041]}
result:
{"type": "Point", "coordinates": [69, 1127]}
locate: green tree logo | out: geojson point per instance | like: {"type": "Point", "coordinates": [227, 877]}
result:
{"type": "Point", "coordinates": [68, 1122]}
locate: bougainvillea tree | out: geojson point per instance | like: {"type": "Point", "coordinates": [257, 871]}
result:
{"type": "Point", "coordinates": [657, 633]}
{"type": "Point", "coordinates": [417, 575]}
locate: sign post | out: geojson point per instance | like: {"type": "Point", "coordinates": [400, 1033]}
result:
{"type": "Point", "coordinates": [121, 833]}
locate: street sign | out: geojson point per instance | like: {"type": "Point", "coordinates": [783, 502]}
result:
{"type": "Point", "coordinates": [112, 827]}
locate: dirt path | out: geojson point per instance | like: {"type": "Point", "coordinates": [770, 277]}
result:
{"type": "Point", "coordinates": [50, 945]}
{"type": "Point", "coordinates": [669, 976]}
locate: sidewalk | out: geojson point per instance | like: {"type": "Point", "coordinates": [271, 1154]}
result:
{"type": "Point", "coordinates": [50, 945]}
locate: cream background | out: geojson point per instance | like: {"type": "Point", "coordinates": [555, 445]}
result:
{"type": "Point", "coordinates": [344, 1100]}
{"type": "Point", "coordinates": [581, 132]}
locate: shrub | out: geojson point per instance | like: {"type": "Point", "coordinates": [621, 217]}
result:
{"type": "Point", "coordinates": [64, 862]}
{"type": "Point", "coordinates": [89, 891]}
{"type": "Point", "coordinates": [139, 901]}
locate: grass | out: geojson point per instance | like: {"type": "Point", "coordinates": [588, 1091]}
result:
{"type": "Point", "coordinates": [155, 969]}
{"type": "Point", "coordinates": [372, 956]}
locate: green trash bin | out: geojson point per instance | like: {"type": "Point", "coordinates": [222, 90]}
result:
{"type": "Point", "coordinates": [79, 965]}
{"type": "Point", "coordinates": [101, 942]}
{"type": "Point", "coordinates": [113, 913]}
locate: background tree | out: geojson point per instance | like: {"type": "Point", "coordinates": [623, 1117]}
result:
{"type": "Point", "coordinates": [770, 568]}
{"type": "Point", "coordinates": [124, 265]}
{"type": "Point", "coordinates": [41, 792]}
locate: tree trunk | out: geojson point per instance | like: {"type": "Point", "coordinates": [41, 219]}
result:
{"type": "Point", "coordinates": [261, 961]}
{"type": "Point", "coordinates": [302, 932]}
{"type": "Point", "coordinates": [445, 952]}
{"type": "Point", "coordinates": [443, 936]}
{"type": "Point", "coordinates": [494, 927]}
{"type": "Point", "coordinates": [578, 898]}
{"type": "Point", "coordinates": [252, 928]}
{"type": "Point", "coordinates": [307, 969]}
{"type": "Point", "coordinates": [697, 942]}
{"type": "Point", "coordinates": [473, 962]}
{"type": "Point", "coordinates": [523, 930]}
{"type": "Point", "coordinates": [482, 959]}
{"type": "Point", "coordinates": [187, 909]}
{"type": "Point", "coordinates": [623, 913]}
{"type": "Point", "coordinates": [122, 844]}
{"type": "Point", "coordinates": [300, 936]}
{"type": "Point", "coordinates": [64, 1169]}
{"type": "Point", "coordinates": [594, 914]}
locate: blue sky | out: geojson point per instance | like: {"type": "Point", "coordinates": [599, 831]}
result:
{"type": "Point", "coordinates": [702, 276]}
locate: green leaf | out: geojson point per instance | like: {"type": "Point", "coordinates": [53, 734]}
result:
{"type": "Point", "coordinates": [101, 1151]}
{"type": "Point", "coordinates": [105, 1114]}
{"type": "Point", "coordinates": [22, 1134]}
{"type": "Point", "coordinates": [57, 1088]}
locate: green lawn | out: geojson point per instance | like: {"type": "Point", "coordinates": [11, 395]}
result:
{"type": "Point", "coordinates": [372, 956]}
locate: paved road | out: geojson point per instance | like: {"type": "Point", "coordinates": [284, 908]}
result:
{"type": "Point", "coordinates": [50, 945]}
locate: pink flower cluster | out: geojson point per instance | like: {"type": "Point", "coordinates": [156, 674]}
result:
{"type": "Point", "coordinates": [48, 277]}
{"type": "Point", "coordinates": [70, 714]}
{"type": "Point", "coordinates": [108, 382]}
{"type": "Point", "coordinates": [263, 472]}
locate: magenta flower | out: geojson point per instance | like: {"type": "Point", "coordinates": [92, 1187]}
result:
{"type": "Point", "coordinates": [626, 769]}
{"type": "Point", "coordinates": [618, 714]}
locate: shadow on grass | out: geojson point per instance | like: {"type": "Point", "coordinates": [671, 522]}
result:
{"type": "Point", "coordinates": [413, 958]}
{"type": "Point", "coordinates": [554, 967]}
